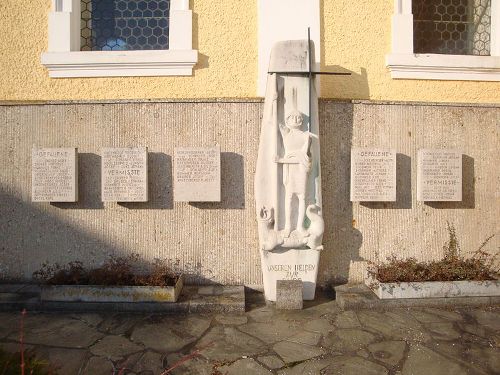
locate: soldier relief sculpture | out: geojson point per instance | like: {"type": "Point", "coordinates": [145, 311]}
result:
{"type": "Point", "coordinates": [295, 163]}
{"type": "Point", "coordinates": [296, 166]}
{"type": "Point", "coordinates": [288, 173]}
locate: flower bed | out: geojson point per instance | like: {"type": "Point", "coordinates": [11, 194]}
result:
{"type": "Point", "coordinates": [114, 281]}
{"type": "Point", "coordinates": [452, 276]}
{"type": "Point", "coordinates": [100, 293]}
{"type": "Point", "coordinates": [436, 289]}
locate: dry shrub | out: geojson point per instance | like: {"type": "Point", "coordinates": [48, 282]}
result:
{"type": "Point", "coordinates": [115, 271]}
{"type": "Point", "coordinates": [72, 274]}
{"type": "Point", "coordinates": [453, 267]}
{"type": "Point", "coordinates": [162, 274]}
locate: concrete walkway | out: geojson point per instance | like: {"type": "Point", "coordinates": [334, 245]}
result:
{"type": "Point", "coordinates": [321, 339]}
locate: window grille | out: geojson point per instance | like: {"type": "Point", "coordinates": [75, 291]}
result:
{"type": "Point", "coordinates": [456, 27]}
{"type": "Point", "coordinates": [117, 25]}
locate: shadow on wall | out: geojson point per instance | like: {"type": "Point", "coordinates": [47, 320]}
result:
{"type": "Point", "coordinates": [403, 187]}
{"type": "Point", "coordinates": [29, 236]}
{"type": "Point", "coordinates": [202, 59]}
{"type": "Point", "coordinates": [232, 184]}
{"type": "Point", "coordinates": [160, 185]}
{"type": "Point", "coordinates": [354, 86]}
{"type": "Point", "coordinates": [341, 240]}
{"type": "Point", "coordinates": [161, 193]}
{"type": "Point", "coordinates": [89, 184]}
{"type": "Point", "coordinates": [468, 188]}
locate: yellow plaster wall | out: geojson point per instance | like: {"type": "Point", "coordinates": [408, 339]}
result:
{"type": "Point", "coordinates": [355, 36]}
{"type": "Point", "coordinates": [224, 32]}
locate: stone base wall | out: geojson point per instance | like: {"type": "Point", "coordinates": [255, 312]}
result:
{"type": "Point", "coordinates": [217, 242]}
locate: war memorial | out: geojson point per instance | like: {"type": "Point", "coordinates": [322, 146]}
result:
{"type": "Point", "coordinates": [285, 187]}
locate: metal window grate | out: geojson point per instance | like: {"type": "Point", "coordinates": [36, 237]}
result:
{"type": "Point", "coordinates": [117, 25]}
{"type": "Point", "coordinates": [456, 27]}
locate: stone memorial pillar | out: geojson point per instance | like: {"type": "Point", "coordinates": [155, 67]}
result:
{"type": "Point", "coordinates": [288, 174]}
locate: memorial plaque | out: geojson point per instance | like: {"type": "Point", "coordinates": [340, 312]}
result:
{"type": "Point", "coordinates": [197, 174]}
{"type": "Point", "coordinates": [439, 175]}
{"type": "Point", "coordinates": [373, 175]}
{"type": "Point", "coordinates": [124, 175]}
{"type": "Point", "coordinates": [54, 175]}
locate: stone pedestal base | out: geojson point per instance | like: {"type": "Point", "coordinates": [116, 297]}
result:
{"type": "Point", "coordinates": [289, 295]}
{"type": "Point", "coordinates": [290, 264]}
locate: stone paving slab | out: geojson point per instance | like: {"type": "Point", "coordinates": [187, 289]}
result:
{"type": "Point", "coordinates": [115, 347]}
{"type": "Point", "coordinates": [318, 340]}
{"type": "Point", "coordinates": [359, 296]}
{"type": "Point", "coordinates": [169, 334]}
{"type": "Point", "coordinates": [66, 361]}
{"type": "Point", "coordinates": [247, 366]}
{"type": "Point", "coordinates": [271, 361]}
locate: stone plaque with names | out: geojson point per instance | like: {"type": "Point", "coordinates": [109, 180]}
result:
{"type": "Point", "coordinates": [439, 175]}
{"type": "Point", "coordinates": [124, 174]}
{"type": "Point", "coordinates": [373, 175]}
{"type": "Point", "coordinates": [197, 174]}
{"type": "Point", "coordinates": [54, 175]}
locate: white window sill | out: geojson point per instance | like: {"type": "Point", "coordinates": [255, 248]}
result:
{"type": "Point", "coordinates": [120, 63]}
{"type": "Point", "coordinates": [444, 67]}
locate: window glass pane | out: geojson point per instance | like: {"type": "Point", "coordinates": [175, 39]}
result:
{"type": "Point", "coordinates": [456, 27]}
{"type": "Point", "coordinates": [117, 25]}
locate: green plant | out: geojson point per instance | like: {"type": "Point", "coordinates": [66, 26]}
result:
{"type": "Point", "coordinates": [10, 364]}
{"type": "Point", "coordinates": [24, 361]}
{"type": "Point", "coordinates": [453, 266]}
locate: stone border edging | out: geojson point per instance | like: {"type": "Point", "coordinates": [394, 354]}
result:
{"type": "Point", "coordinates": [194, 299]}
{"type": "Point", "coordinates": [359, 296]}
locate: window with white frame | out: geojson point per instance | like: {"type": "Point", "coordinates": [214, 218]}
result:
{"type": "Point", "coordinates": [446, 40]}
{"type": "Point", "coordinates": [103, 38]}
{"type": "Point", "coordinates": [121, 25]}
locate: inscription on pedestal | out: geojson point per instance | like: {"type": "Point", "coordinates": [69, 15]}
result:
{"type": "Point", "coordinates": [373, 175]}
{"type": "Point", "coordinates": [197, 174]}
{"type": "Point", "coordinates": [124, 175]}
{"type": "Point", "coordinates": [292, 271]}
{"type": "Point", "coordinates": [54, 174]}
{"type": "Point", "coordinates": [291, 265]}
{"type": "Point", "coordinates": [439, 175]}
